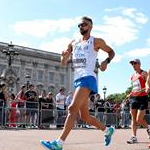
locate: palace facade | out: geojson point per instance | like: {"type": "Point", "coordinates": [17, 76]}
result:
{"type": "Point", "coordinates": [39, 67]}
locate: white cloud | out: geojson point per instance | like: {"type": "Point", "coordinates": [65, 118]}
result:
{"type": "Point", "coordinates": [139, 52]}
{"type": "Point", "coordinates": [103, 55]}
{"type": "Point", "coordinates": [56, 46]}
{"type": "Point", "coordinates": [41, 28]}
{"type": "Point", "coordinates": [134, 14]}
{"type": "Point", "coordinates": [117, 58]}
{"type": "Point", "coordinates": [120, 25]}
{"type": "Point", "coordinates": [116, 30]}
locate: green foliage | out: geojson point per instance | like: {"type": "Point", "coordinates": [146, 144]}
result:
{"type": "Point", "coordinates": [118, 97]}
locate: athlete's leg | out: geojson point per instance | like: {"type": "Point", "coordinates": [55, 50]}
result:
{"type": "Point", "coordinates": [86, 117]}
{"type": "Point", "coordinates": [133, 121]}
{"type": "Point", "coordinates": [133, 138]}
{"type": "Point", "coordinates": [140, 118]}
{"type": "Point", "coordinates": [80, 97]}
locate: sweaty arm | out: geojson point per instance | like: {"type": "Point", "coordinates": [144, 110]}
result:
{"type": "Point", "coordinates": [148, 82]}
{"type": "Point", "coordinates": [100, 44]}
{"type": "Point", "coordinates": [65, 55]}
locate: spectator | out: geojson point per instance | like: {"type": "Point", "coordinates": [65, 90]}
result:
{"type": "Point", "coordinates": [117, 114]}
{"type": "Point", "coordinates": [69, 99]}
{"type": "Point", "coordinates": [47, 109]}
{"type": "Point", "coordinates": [92, 105]}
{"type": "Point", "coordinates": [107, 106]}
{"type": "Point", "coordinates": [31, 105]}
{"type": "Point", "coordinates": [99, 104]}
{"type": "Point", "coordinates": [13, 111]}
{"type": "Point", "coordinates": [60, 101]}
{"type": "Point", "coordinates": [125, 112]}
{"type": "Point", "coordinates": [20, 98]}
{"type": "Point", "coordinates": [3, 102]}
{"type": "Point", "coordinates": [41, 101]}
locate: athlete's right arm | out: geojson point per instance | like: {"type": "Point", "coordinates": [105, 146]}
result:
{"type": "Point", "coordinates": [66, 54]}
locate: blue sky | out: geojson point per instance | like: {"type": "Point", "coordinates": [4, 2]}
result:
{"type": "Point", "coordinates": [51, 24]}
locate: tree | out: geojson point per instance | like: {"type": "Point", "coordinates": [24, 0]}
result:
{"type": "Point", "coordinates": [118, 97]}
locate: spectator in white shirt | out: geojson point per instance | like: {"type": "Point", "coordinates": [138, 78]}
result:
{"type": "Point", "coordinates": [60, 106]}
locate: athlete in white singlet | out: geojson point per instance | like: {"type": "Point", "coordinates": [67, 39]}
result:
{"type": "Point", "coordinates": [84, 53]}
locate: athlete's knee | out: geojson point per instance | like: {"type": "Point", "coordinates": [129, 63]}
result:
{"type": "Point", "coordinates": [72, 109]}
{"type": "Point", "coordinates": [139, 120]}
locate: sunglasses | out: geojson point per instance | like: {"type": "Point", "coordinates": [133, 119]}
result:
{"type": "Point", "coordinates": [82, 25]}
{"type": "Point", "coordinates": [134, 63]}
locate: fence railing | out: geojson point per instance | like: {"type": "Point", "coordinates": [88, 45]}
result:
{"type": "Point", "coordinates": [40, 117]}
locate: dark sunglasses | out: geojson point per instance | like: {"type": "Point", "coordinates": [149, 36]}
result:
{"type": "Point", "coordinates": [82, 25]}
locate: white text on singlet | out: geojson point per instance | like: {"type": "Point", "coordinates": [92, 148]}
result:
{"type": "Point", "coordinates": [84, 58]}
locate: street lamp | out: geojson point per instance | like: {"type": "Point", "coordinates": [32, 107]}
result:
{"type": "Point", "coordinates": [10, 53]}
{"type": "Point", "coordinates": [97, 65]}
{"type": "Point", "coordinates": [28, 80]}
{"type": "Point", "coordinates": [104, 91]}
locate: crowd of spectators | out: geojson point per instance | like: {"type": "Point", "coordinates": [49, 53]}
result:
{"type": "Point", "coordinates": [28, 109]}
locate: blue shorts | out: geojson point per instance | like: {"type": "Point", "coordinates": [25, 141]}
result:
{"type": "Point", "coordinates": [87, 82]}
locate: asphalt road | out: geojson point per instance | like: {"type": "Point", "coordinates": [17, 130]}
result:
{"type": "Point", "coordinates": [88, 139]}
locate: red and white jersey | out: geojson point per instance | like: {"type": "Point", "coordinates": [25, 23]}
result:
{"type": "Point", "coordinates": [138, 84]}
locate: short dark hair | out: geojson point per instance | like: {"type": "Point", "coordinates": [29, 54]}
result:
{"type": "Point", "coordinates": [87, 18]}
{"type": "Point", "coordinates": [31, 85]}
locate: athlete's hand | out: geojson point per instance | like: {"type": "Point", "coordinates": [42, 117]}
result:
{"type": "Point", "coordinates": [103, 65]}
{"type": "Point", "coordinates": [64, 57]}
{"type": "Point", "coordinates": [65, 54]}
{"type": "Point", "coordinates": [129, 95]}
{"type": "Point", "coordinates": [147, 90]}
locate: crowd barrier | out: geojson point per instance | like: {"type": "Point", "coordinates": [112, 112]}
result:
{"type": "Point", "coordinates": [13, 117]}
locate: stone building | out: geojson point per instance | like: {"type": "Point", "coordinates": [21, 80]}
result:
{"type": "Point", "coordinates": [41, 68]}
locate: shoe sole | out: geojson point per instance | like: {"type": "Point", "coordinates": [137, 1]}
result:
{"type": "Point", "coordinates": [131, 143]}
{"type": "Point", "coordinates": [44, 146]}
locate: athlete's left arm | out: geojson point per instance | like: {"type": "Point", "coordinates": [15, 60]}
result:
{"type": "Point", "coordinates": [148, 82]}
{"type": "Point", "coordinates": [144, 75]}
{"type": "Point", "coordinates": [101, 44]}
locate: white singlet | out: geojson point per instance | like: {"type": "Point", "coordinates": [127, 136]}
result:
{"type": "Point", "coordinates": [84, 58]}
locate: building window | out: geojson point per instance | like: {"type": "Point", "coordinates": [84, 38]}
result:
{"type": "Point", "coordinates": [40, 75]}
{"type": "Point", "coordinates": [62, 79]}
{"type": "Point", "coordinates": [17, 70]}
{"type": "Point", "coordinates": [2, 68]}
{"type": "Point", "coordinates": [29, 72]}
{"type": "Point", "coordinates": [51, 77]}
{"type": "Point", "coordinates": [51, 89]}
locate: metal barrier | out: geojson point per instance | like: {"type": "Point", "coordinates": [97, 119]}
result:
{"type": "Point", "coordinates": [14, 117]}
{"type": "Point", "coordinates": [1, 113]}
{"type": "Point", "coordinates": [26, 116]}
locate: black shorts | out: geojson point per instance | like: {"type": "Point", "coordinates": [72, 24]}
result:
{"type": "Point", "coordinates": [139, 102]}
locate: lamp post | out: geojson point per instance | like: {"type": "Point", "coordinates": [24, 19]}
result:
{"type": "Point", "coordinates": [9, 76]}
{"type": "Point", "coordinates": [10, 53]}
{"type": "Point", "coordinates": [96, 70]}
{"type": "Point", "coordinates": [96, 66]}
{"type": "Point", "coordinates": [28, 80]}
{"type": "Point", "coordinates": [104, 91]}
